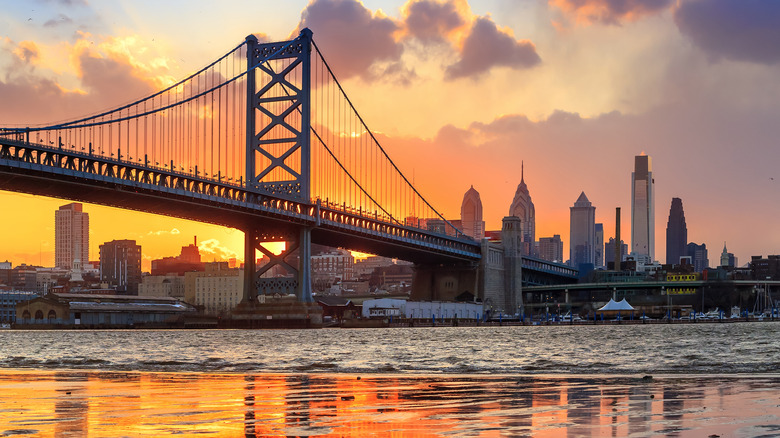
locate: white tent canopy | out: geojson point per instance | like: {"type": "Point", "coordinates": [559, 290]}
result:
{"type": "Point", "coordinates": [617, 305]}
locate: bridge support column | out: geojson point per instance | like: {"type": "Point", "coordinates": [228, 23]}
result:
{"type": "Point", "coordinates": [268, 300]}
{"type": "Point", "coordinates": [303, 290]}
{"type": "Point", "coordinates": [250, 286]}
{"type": "Point", "coordinates": [297, 244]}
{"type": "Point", "coordinates": [511, 239]}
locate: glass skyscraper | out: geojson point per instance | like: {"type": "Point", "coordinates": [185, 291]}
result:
{"type": "Point", "coordinates": [642, 209]}
{"type": "Point", "coordinates": [676, 233]}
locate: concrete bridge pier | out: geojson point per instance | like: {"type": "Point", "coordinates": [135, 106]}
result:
{"type": "Point", "coordinates": [496, 280]}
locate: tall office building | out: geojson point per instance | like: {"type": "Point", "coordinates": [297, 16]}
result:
{"type": "Point", "coordinates": [471, 215]}
{"type": "Point", "coordinates": [120, 265]}
{"type": "Point", "coordinates": [523, 207]}
{"type": "Point", "coordinates": [71, 236]}
{"type": "Point", "coordinates": [676, 233]}
{"type": "Point", "coordinates": [551, 248]}
{"type": "Point", "coordinates": [642, 208]}
{"type": "Point", "coordinates": [582, 232]}
{"type": "Point", "coordinates": [599, 246]}
{"type": "Point", "coordinates": [698, 255]}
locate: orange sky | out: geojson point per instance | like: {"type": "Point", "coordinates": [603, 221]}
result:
{"type": "Point", "coordinates": [459, 93]}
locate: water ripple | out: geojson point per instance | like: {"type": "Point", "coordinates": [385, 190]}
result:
{"type": "Point", "coordinates": [627, 349]}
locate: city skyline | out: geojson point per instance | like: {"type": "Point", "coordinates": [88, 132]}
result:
{"type": "Point", "coordinates": [569, 91]}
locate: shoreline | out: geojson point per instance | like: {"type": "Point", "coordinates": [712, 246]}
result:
{"type": "Point", "coordinates": [77, 402]}
{"type": "Point", "coordinates": [403, 323]}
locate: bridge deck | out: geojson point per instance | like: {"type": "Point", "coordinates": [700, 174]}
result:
{"type": "Point", "coordinates": [66, 174]}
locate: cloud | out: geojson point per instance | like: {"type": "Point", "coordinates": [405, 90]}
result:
{"type": "Point", "coordinates": [213, 249]}
{"type": "Point", "coordinates": [111, 77]}
{"type": "Point", "coordinates": [746, 30]}
{"type": "Point", "coordinates": [487, 46]}
{"type": "Point", "coordinates": [27, 52]}
{"type": "Point", "coordinates": [612, 12]}
{"type": "Point", "coordinates": [432, 21]}
{"type": "Point", "coordinates": [103, 73]}
{"type": "Point", "coordinates": [352, 39]}
{"type": "Point", "coordinates": [61, 19]}
{"type": "Point", "coordinates": [359, 43]}
{"type": "Point", "coordinates": [173, 231]}
{"type": "Point", "coordinates": [66, 2]}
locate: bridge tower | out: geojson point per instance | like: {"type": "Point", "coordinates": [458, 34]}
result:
{"type": "Point", "coordinates": [278, 159]}
{"type": "Point", "coordinates": [511, 238]}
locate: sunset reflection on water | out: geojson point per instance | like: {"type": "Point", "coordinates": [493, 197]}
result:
{"type": "Point", "coordinates": [98, 404]}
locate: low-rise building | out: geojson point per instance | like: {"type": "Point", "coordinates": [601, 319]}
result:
{"type": "Point", "coordinates": [211, 269]}
{"type": "Point", "coordinates": [101, 311]}
{"type": "Point", "coordinates": [219, 294]}
{"type": "Point", "coordinates": [8, 303]}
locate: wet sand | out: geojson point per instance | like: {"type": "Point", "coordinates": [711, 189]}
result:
{"type": "Point", "coordinates": [114, 404]}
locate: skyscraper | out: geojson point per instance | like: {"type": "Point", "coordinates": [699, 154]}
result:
{"type": "Point", "coordinates": [71, 236]}
{"type": "Point", "coordinates": [523, 208]}
{"type": "Point", "coordinates": [471, 215]}
{"type": "Point", "coordinates": [582, 232]}
{"type": "Point", "coordinates": [551, 248]}
{"type": "Point", "coordinates": [120, 265]}
{"type": "Point", "coordinates": [642, 208]}
{"type": "Point", "coordinates": [676, 233]}
{"type": "Point", "coordinates": [698, 255]}
{"type": "Point", "coordinates": [599, 245]}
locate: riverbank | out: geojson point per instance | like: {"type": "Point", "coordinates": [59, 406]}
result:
{"type": "Point", "coordinates": [100, 404]}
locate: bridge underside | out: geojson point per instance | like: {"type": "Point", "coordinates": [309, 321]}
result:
{"type": "Point", "coordinates": [182, 206]}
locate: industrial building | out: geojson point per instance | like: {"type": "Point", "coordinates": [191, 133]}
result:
{"type": "Point", "coordinates": [101, 311]}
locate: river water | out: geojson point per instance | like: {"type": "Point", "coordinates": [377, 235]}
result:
{"type": "Point", "coordinates": [714, 348]}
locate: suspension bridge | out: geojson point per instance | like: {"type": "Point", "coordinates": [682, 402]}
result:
{"type": "Point", "coordinates": [264, 140]}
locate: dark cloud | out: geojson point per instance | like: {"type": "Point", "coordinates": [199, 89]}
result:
{"type": "Point", "coordinates": [486, 47]}
{"type": "Point", "coordinates": [610, 11]}
{"type": "Point", "coordinates": [398, 72]}
{"type": "Point", "coordinates": [352, 39]}
{"type": "Point", "coordinates": [61, 19]}
{"type": "Point", "coordinates": [431, 21]}
{"type": "Point", "coordinates": [745, 30]}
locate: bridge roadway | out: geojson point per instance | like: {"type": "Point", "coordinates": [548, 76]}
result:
{"type": "Point", "coordinates": [84, 176]}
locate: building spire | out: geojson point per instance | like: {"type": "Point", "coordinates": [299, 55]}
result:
{"type": "Point", "coordinates": [522, 165]}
